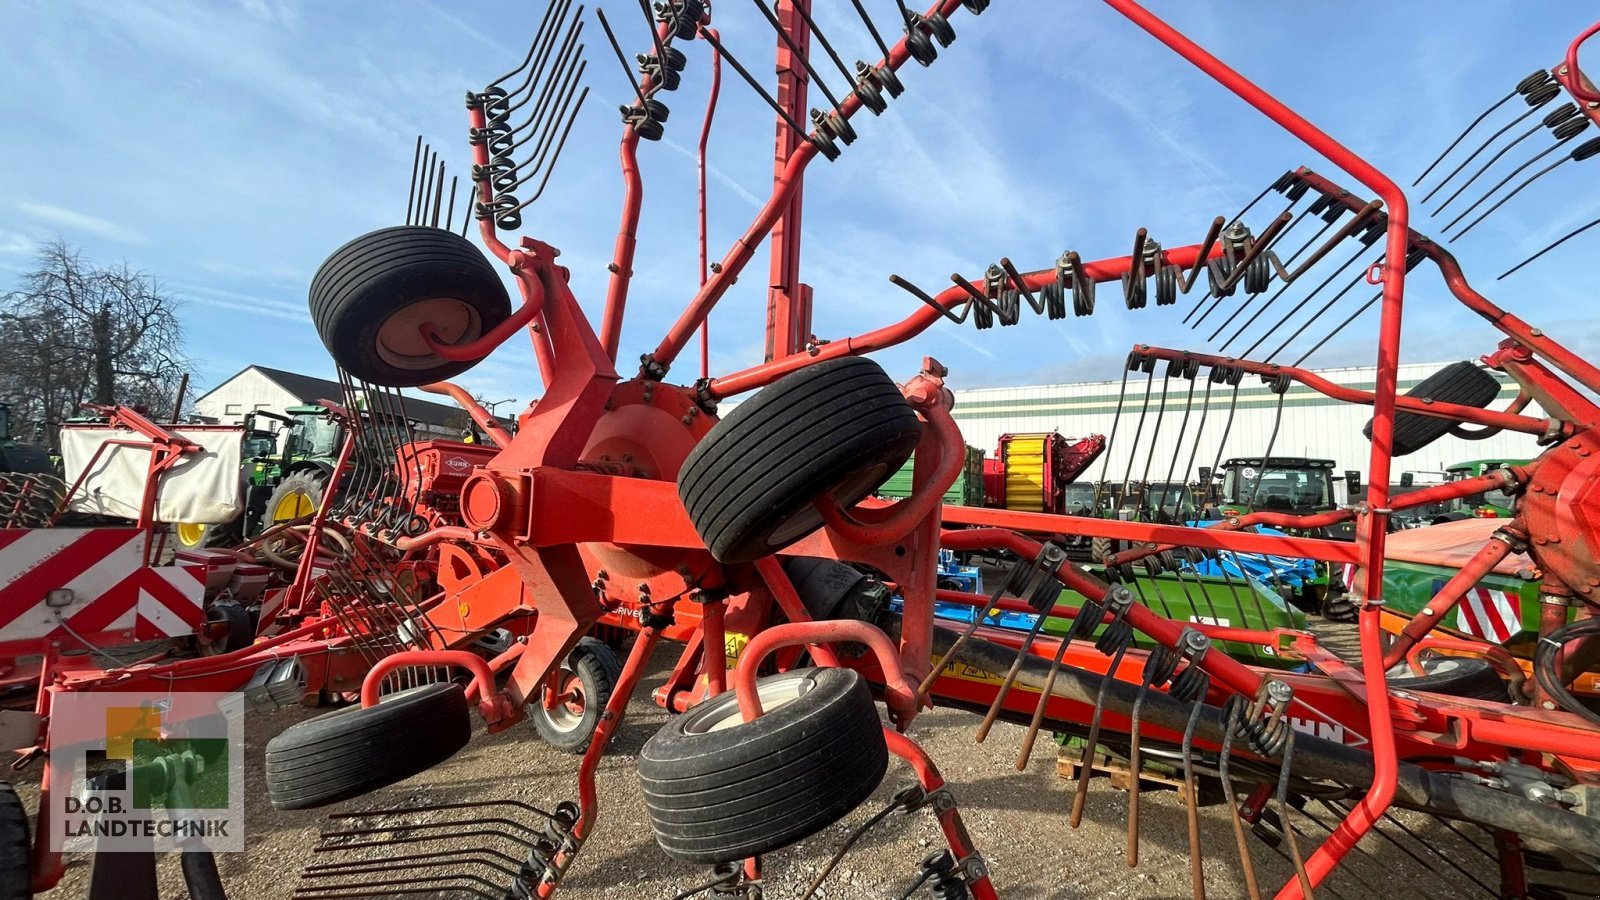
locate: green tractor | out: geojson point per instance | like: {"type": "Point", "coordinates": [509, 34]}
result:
{"type": "Point", "coordinates": [1298, 486]}
{"type": "Point", "coordinates": [17, 456]}
{"type": "Point", "coordinates": [278, 486]}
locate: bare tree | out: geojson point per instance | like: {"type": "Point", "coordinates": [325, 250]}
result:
{"type": "Point", "coordinates": [78, 332]}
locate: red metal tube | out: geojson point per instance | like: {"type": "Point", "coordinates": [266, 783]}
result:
{"type": "Point", "coordinates": [784, 187]}
{"type": "Point", "coordinates": [1488, 417]}
{"type": "Point", "coordinates": [714, 647]}
{"type": "Point", "coordinates": [434, 536]}
{"type": "Point", "coordinates": [955, 832]}
{"type": "Point", "coordinates": [1576, 86]}
{"type": "Point", "coordinates": [900, 517]}
{"type": "Point", "coordinates": [1497, 655]}
{"type": "Point", "coordinates": [472, 351]}
{"type": "Point", "coordinates": [899, 693]}
{"type": "Point", "coordinates": [1446, 600]}
{"type": "Point", "coordinates": [480, 416]}
{"type": "Point", "coordinates": [482, 676]}
{"type": "Point", "coordinates": [319, 520]}
{"type": "Point", "coordinates": [924, 317]}
{"type": "Point", "coordinates": [700, 171]}
{"type": "Point", "coordinates": [1372, 528]}
{"type": "Point", "coordinates": [794, 609]}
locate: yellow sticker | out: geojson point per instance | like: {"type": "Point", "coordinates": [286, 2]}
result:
{"type": "Point", "coordinates": [733, 644]}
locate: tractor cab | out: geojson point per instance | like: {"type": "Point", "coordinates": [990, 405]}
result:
{"type": "Point", "coordinates": [18, 457]}
{"type": "Point", "coordinates": [1277, 483]}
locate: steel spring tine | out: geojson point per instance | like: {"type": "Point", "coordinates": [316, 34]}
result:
{"type": "Point", "coordinates": [1022, 286]}
{"type": "Point", "coordinates": [622, 58]}
{"type": "Point", "coordinates": [320, 869]}
{"type": "Point", "coordinates": [1149, 382]}
{"type": "Point", "coordinates": [549, 141]}
{"type": "Point", "coordinates": [1010, 678]}
{"type": "Point", "coordinates": [1284, 768]}
{"type": "Point", "coordinates": [1032, 733]}
{"type": "Point", "coordinates": [1465, 872]}
{"type": "Point", "coordinates": [1134, 766]}
{"type": "Point", "coordinates": [1349, 228]}
{"type": "Point", "coordinates": [1568, 134]}
{"type": "Point", "coordinates": [1393, 841]}
{"type": "Point", "coordinates": [416, 166]}
{"type": "Point", "coordinates": [1187, 281]}
{"type": "Point", "coordinates": [823, 40]}
{"type": "Point", "coordinates": [1177, 450]}
{"type": "Point", "coordinates": [1283, 320]}
{"type": "Point", "coordinates": [1567, 237]}
{"type": "Point", "coordinates": [961, 640]}
{"type": "Point", "coordinates": [552, 14]}
{"type": "Point", "coordinates": [1583, 151]}
{"type": "Point", "coordinates": [655, 37]}
{"type": "Point", "coordinates": [855, 835]}
{"type": "Point", "coordinates": [922, 295]}
{"type": "Point", "coordinates": [410, 827]}
{"type": "Point", "coordinates": [1191, 792]}
{"type": "Point", "coordinates": [438, 196]}
{"type": "Point", "coordinates": [539, 79]}
{"type": "Point", "coordinates": [1116, 418]}
{"type": "Point", "coordinates": [1338, 328]}
{"type": "Point", "coordinates": [1354, 282]}
{"type": "Point", "coordinates": [877, 38]}
{"type": "Point", "coordinates": [344, 890]}
{"type": "Point", "coordinates": [1555, 117]}
{"type": "Point", "coordinates": [568, 62]}
{"type": "Point", "coordinates": [1257, 247]}
{"type": "Point", "coordinates": [755, 85]}
{"type": "Point", "coordinates": [1538, 77]}
{"type": "Point", "coordinates": [1086, 760]}
{"type": "Point", "coordinates": [1535, 100]}
{"type": "Point", "coordinates": [1155, 432]}
{"type": "Point", "coordinates": [794, 48]}
{"type": "Point", "coordinates": [411, 862]}
{"type": "Point", "coordinates": [1230, 723]}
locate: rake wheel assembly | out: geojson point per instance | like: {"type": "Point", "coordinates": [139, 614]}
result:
{"type": "Point", "coordinates": [350, 752]}
{"type": "Point", "coordinates": [719, 789]}
{"type": "Point", "coordinates": [371, 298]}
{"type": "Point", "coordinates": [839, 428]}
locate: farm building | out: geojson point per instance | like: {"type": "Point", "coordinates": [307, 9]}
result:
{"type": "Point", "coordinates": [261, 388]}
{"type": "Point", "coordinates": [1311, 425]}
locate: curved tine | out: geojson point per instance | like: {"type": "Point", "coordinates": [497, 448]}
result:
{"type": "Point", "coordinates": [877, 38]}
{"type": "Point", "coordinates": [1502, 183]}
{"type": "Point", "coordinates": [416, 166]}
{"type": "Point", "coordinates": [1567, 237]}
{"type": "Point", "coordinates": [542, 114]}
{"type": "Point", "coordinates": [655, 34]}
{"type": "Point", "coordinates": [1499, 155]}
{"type": "Point", "coordinates": [1492, 138]}
{"type": "Point", "coordinates": [1016, 279]}
{"type": "Point", "coordinates": [622, 58]}
{"type": "Point", "coordinates": [535, 71]}
{"type": "Point", "coordinates": [558, 114]}
{"type": "Point", "coordinates": [449, 882]}
{"type": "Point", "coordinates": [1210, 241]}
{"type": "Point", "coordinates": [1463, 136]}
{"type": "Point", "coordinates": [822, 39]}
{"type": "Point", "coordinates": [563, 62]}
{"type": "Point", "coordinates": [922, 295]}
{"type": "Point", "coordinates": [955, 278]}
{"type": "Point", "coordinates": [805, 58]}
{"type": "Point", "coordinates": [387, 864]}
{"type": "Point", "coordinates": [559, 145]}
{"type": "Point", "coordinates": [319, 868]}
{"type": "Point", "coordinates": [551, 16]}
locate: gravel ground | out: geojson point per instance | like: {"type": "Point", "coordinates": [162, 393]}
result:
{"type": "Point", "coordinates": [1019, 821]}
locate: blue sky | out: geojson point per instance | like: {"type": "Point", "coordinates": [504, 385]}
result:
{"type": "Point", "coordinates": [227, 148]}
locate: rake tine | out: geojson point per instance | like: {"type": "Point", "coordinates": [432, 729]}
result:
{"type": "Point", "coordinates": [416, 164]}
{"type": "Point", "coordinates": [1582, 152]}
{"type": "Point", "coordinates": [1233, 809]}
{"type": "Point", "coordinates": [805, 58]}
{"type": "Point", "coordinates": [1552, 119]}
{"type": "Point", "coordinates": [823, 40]}
{"type": "Point", "coordinates": [405, 885]}
{"type": "Point", "coordinates": [922, 295]}
{"type": "Point", "coordinates": [1535, 79]}
{"type": "Point", "coordinates": [961, 640]}
{"type": "Point", "coordinates": [1134, 766]}
{"type": "Point", "coordinates": [1084, 762]}
{"type": "Point", "coordinates": [319, 869]}
{"type": "Point", "coordinates": [1285, 767]}
{"type": "Point", "coordinates": [1010, 679]}
{"type": "Point", "coordinates": [1191, 791]}
{"type": "Point", "coordinates": [1564, 135]}
{"type": "Point", "coordinates": [1210, 241]}
{"type": "Point", "coordinates": [755, 85]}
{"type": "Point", "coordinates": [1535, 100]}
{"type": "Point", "coordinates": [1038, 710]}
{"type": "Point", "coordinates": [876, 37]}
{"type": "Point", "coordinates": [622, 58]}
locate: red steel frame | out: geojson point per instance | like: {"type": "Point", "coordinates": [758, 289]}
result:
{"type": "Point", "coordinates": [555, 513]}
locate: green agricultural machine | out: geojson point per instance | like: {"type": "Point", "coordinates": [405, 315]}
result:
{"type": "Point", "coordinates": [278, 485]}
{"type": "Point", "coordinates": [19, 457]}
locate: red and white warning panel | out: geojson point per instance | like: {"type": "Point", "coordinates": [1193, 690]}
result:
{"type": "Point", "coordinates": [92, 582]}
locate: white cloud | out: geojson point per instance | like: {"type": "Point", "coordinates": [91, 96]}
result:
{"type": "Point", "coordinates": [83, 222]}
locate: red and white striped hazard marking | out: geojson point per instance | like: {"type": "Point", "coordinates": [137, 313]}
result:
{"type": "Point", "coordinates": [1489, 614]}
{"type": "Point", "coordinates": [107, 586]}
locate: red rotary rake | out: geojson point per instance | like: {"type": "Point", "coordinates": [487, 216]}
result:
{"type": "Point", "coordinates": [629, 502]}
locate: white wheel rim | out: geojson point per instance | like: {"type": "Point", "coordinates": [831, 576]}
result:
{"type": "Point", "coordinates": [400, 342]}
{"type": "Point", "coordinates": [774, 692]}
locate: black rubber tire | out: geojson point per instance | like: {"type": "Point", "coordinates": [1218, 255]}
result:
{"type": "Point", "coordinates": [751, 788]}
{"type": "Point", "coordinates": [1463, 383]}
{"type": "Point", "coordinates": [16, 857]}
{"type": "Point", "coordinates": [839, 426]}
{"type": "Point", "coordinates": [1455, 676]}
{"type": "Point", "coordinates": [1100, 548]}
{"type": "Point", "coordinates": [597, 669]}
{"type": "Point", "coordinates": [356, 750]}
{"type": "Point", "coordinates": [241, 630]}
{"type": "Point", "coordinates": [378, 276]}
{"type": "Point", "coordinates": [309, 482]}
